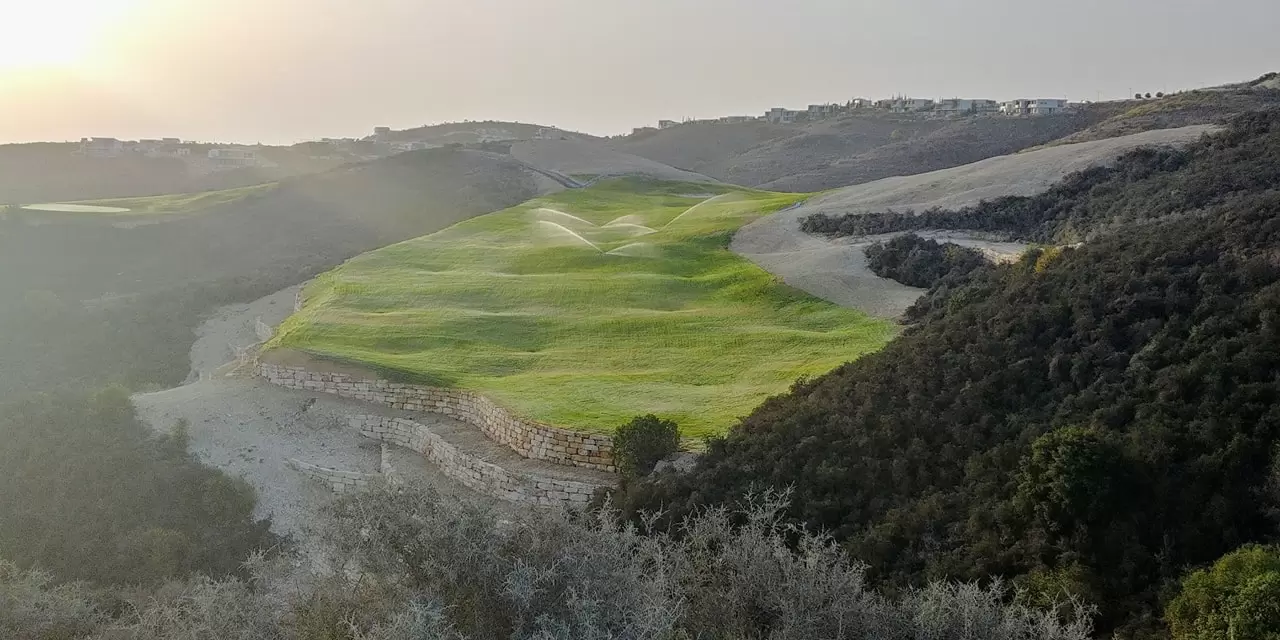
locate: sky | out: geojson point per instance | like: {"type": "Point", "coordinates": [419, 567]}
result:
{"type": "Point", "coordinates": [282, 71]}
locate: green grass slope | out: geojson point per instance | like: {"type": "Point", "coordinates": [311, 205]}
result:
{"type": "Point", "coordinates": [183, 202]}
{"type": "Point", "coordinates": [586, 308]}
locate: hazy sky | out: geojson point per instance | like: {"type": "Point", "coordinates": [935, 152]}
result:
{"type": "Point", "coordinates": [286, 70]}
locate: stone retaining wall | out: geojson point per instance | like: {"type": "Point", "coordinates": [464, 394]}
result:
{"type": "Point", "coordinates": [529, 439]}
{"type": "Point", "coordinates": [484, 477]}
{"type": "Point", "coordinates": [338, 481]}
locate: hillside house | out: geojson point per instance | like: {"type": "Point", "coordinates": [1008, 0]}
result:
{"type": "Point", "coordinates": [1034, 107]}
{"type": "Point", "coordinates": [965, 107]}
{"type": "Point", "coordinates": [862, 103]}
{"type": "Point", "coordinates": [905, 105]}
{"type": "Point", "coordinates": [169, 150]}
{"type": "Point", "coordinates": [101, 147]}
{"type": "Point", "coordinates": [780, 115]}
{"type": "Point", "coordinates": [667, 124]}
{"type": "Point", "coordinates": [232, 158]}
{"type": "Point", "coordinates": [820, 111]}
{"type": "Point", "coordinates": [736, 119]}
{"type": "Point", "coordinates": [639, 131]}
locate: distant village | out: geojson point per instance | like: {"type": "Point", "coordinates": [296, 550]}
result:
{"type": "Point", "coordinates": [950, 108]}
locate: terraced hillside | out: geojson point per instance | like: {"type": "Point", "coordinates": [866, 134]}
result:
{"type": "Point", "coordinates": [585, 308]}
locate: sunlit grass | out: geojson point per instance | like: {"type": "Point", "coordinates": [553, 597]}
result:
{"type": "Point", "coordinates": [516, 306]}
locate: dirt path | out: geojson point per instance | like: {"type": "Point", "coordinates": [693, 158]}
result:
{"type": "Point", "coordinates": [835, 269]}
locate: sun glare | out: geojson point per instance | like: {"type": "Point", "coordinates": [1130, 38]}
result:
{"type": "Point", "coordinates": [40, 34]}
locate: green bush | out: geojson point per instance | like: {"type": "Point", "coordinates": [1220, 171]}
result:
{"type": "Point", "coordinates": [1238, 598]}
{"type": "Point", "coordinates": [640, 444]}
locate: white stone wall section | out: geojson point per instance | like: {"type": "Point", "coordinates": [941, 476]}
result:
{"type": "Point", "coordinates": [481, 476]}
{"type": "Point", "coordinates": [339, 481]}
{"type": "Point", "coordinates": [527, 438]}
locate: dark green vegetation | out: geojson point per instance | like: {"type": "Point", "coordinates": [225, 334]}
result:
{"type": "Point", "coordinates": [921, 262]}
{"type": "Point", "coordinates": [1144, 186]}
{"type": "Point", "coordinates": [90, 493]}
{"type": "Point", "coordinates": [1093, 419]}
{"type": "Point", "coordinates": [434, 568]}
{"type": "Point", "coordinates": [1238, 598]}
{"type": "Point", "coordinates": [639, 445]}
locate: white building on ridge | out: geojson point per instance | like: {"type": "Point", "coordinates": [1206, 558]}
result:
{"type": "Point", "coordinates": [1034, 107]}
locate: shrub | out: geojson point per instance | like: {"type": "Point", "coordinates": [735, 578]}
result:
{"type": "Point", "coordinates": [1238, 598]}
{"type": "Point", "coordinates": [409, 564]}
{"type": "Point", "coordinates": [641, 443]}
{"type": "Point", "coordinates": [921, 262]}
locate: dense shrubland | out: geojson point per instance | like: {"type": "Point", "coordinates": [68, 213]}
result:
{"type": "Point", "coordinates": [89, 493]}
{"type": "Point", "coordinates": [1089, 420]}
{"type": "Point", "coordinates": [432, 567]}
{"type": "Point", "coordinates": [921, 262]}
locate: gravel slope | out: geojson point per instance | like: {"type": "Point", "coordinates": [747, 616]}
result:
{"type": "Point", "coordinates": [835, 269]}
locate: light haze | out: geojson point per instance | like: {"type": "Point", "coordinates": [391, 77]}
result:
{"type": "Point", "coordinates": [280, 71]}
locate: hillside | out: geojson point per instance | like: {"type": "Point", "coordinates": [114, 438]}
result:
{"type": "Point", "coordinates": [842, 151]}
{"type": "Point", "coordinates": [590, 160]}
{"type": "Point", "coordinates": [584, 309]}
{"type": "Point", "coordinates": [87, 289]}
{"type": "Point", "coordinates": [870, 145]}
{"type": "Point", "coordinates": [1091, 421]}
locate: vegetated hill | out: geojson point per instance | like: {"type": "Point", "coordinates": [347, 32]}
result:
{"type": "Point", "coordinates": [49, 172]}
{"type": "Point", "coordinates": [1200, 106]}
{"type": "Point", "coordinates": [92, 297]}
{"type": "Point", "coordinates": [586, 308]}
{"type": "Point", "coordinates": [1094, 420]}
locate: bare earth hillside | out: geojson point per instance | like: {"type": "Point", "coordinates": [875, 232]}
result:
{"type": "Point", "coordinates": [835, 269]}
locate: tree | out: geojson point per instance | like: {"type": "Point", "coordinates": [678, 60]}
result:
{"type": "Point", "coordinates": [641, 443]}
{"type": "Point", "coordinates": [1159, 94]}
{"type": "Point", "coordinates": [1237, 598]}
{"type": "Point", "coordinates": [1073, 479]}
{"type": "Point", "coordinates": [1137, 96]}
{"type": "Point", "coordinates": [1148, 95]}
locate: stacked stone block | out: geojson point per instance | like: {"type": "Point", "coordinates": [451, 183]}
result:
{"type": "Point", "coordinates": [529, 439]}
{"type": "Point", "coordinates": [484, 477]}
{"type": "Point", "coordinates": [338, 481]}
